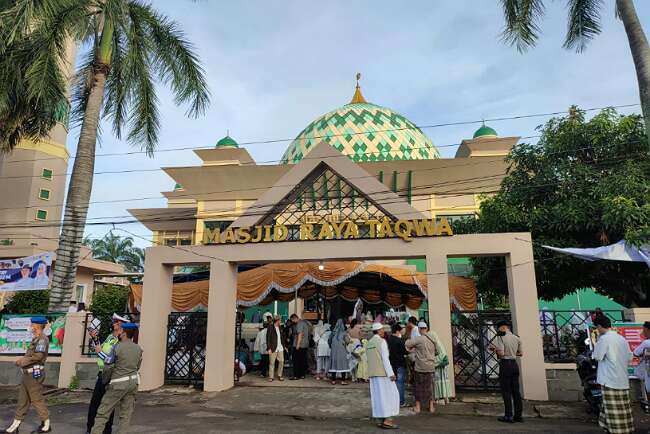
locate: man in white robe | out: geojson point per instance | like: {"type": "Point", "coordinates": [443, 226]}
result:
{"type": "Point", "coordinates": [383, 389]}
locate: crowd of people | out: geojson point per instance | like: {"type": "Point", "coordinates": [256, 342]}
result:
{"type": "Point", "coordinates": [345, 352]}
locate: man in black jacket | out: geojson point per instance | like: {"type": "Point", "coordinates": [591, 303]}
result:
{"type": "Point", "coordinates": [397, 354]}
{"type": "Point", "coordinates": [275, 345]}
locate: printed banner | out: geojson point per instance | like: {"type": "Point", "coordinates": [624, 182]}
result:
{"type": "Point", "coordinates": [16, 334]}
{"type": "Point", "coordinates": [632, 334]}
{"type": "Point", "coordinates": [26, 274]}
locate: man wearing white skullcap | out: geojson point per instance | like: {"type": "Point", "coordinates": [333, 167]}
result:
{"type": "Point", "coordinates": [383, 389]}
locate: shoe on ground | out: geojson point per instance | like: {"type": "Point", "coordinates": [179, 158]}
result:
{"type": "Point", "coordinates": [505, 419]}
{"type": "Point", "coordinates": [518, 419]}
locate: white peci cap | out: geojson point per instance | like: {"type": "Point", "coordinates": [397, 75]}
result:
{"type": "Point", "coordinates": [422, 325]}
{"type": "Point", "coordinates": [377, 326]}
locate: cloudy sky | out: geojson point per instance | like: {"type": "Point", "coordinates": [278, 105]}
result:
{"type": "Point", "coordinates": [273, 67]}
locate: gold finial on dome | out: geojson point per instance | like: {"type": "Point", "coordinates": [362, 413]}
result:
{"type": "Point", "coordinates": [358, 97]}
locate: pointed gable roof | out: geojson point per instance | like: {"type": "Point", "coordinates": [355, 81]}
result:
{"type": "Point", "coordinates": [325, 157]}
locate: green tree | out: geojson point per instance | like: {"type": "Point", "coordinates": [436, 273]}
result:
{"type": "Point", "coordinates": [585, 184]}
{"type": "Point", "coordinates": [28, 302]}
{"type": "Point", "coordinates": [522, 29]}
{"type": "Point", "coordinates": [114, 248]}
{"type": "Point", "coordinates": [126, 46]}
{"type": "Point", "coordinates": [108, 299]}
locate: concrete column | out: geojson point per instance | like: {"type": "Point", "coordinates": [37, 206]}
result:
{"type": "Point", "coordinates": [522, 290]}
{"type": "Point", "coordinates": [156, 307]}
{"type": "Point", "coordinates": [71, 349]}
{"type": "Point", "coordinates": [638, 314]}
{"type": "Point", "coordinates": [439, 311]}
{"type": "Point", "coordinates": [220, 335]}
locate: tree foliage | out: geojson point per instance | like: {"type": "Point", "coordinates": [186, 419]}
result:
{"type": "Point", "coordinates": [117, 249]}
{"type": "Point", "coordinates": [585, 184]}
{"type": "Point", "coordinates": [28, 302]}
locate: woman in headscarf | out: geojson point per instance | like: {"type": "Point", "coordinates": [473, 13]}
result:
{"type": "Point", "coordinates": [339, 356]}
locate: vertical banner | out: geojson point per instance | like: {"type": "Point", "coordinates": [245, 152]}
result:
{"type": "Point", "coordinates": [26, 274]}
{"type": "Point", "coordinates": [632, 332]}
{"type": "Point", "coordinates": [16, 334]}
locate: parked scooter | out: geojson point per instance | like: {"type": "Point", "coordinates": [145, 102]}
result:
{"type": "Point", "coordinates": [587, 370]}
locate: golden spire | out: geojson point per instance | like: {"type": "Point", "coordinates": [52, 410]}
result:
{"type": "Point", "coordinates": [358, 97]}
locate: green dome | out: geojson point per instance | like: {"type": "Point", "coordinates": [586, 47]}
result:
{"type": "Point", "coordinates": [485, 131]}
{"type": "Point", "coordinates": [178, 187]}
{"type": "Point", "coordinates": [363, 132]}
{"type": "Point", "coordinates": [227, 142]}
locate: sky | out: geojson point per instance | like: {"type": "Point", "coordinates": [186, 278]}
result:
{"type": "Point", "coordinates": [273, 67]}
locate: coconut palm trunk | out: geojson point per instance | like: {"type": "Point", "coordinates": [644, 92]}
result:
{"type": "Point", "coordinates": [640, 54]}
{"type": "Point", "coordinates": [81, 182]}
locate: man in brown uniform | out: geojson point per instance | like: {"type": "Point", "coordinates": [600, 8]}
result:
{"type": "Point", "coordinates": [32, 365]}
{"type": "Point", "coordinates": [508, 347]}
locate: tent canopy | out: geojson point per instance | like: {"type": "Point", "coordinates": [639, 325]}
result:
{"type": "Point", "coordinates": [373, 283]}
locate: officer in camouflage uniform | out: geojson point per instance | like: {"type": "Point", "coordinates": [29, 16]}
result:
{"type": "Point", "coordinates": [32, 365]}
{"type": "Point", "coordinates": [121, 375]}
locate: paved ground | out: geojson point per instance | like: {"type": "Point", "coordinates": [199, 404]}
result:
{"type": "Point", "coordinates": [305, 410]}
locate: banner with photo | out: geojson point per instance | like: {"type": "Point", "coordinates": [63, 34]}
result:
{"type": "Point", "coordinates": [26, 274]}
{"type": "Point", "coordinates": [16, 333]}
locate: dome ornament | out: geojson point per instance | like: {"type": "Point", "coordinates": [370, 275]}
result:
{"type": "Point", "coordinates": [358, 98]}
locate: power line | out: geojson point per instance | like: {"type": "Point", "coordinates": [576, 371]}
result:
{"type": "Point", "coordinates": [265, 208]}
{"type": "Point", "coordinates": [178, 196]}
{"type": "Point", "coordinates": [421, 127]}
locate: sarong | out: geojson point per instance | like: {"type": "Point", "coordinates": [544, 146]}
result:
{"type": "Point", "coordinates": [616, 415]}
{"type": "Point", "coordinates": [423, 386]}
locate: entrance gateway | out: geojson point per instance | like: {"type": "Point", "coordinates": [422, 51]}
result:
{"type": "Point", "coordinates": [281, 213]}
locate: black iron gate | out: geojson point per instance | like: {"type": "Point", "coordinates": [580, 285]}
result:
{"type": "Point", "coordinates": [475, 366]}
{"type": "Point", "coordinates": [185, 360]}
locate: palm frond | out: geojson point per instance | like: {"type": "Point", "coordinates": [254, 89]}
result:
{"type": "Point", "coordinates": [117, 90]}
{"type": "Point", "coordinates": [174, 59]}
{"type": "Point", "coordinates": [583, 23]}
{"type": "Point", "coordinates": [144, 121]}
{"type": "Point", "coordinates": [522, 22]}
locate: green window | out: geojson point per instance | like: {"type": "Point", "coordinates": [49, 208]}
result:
{"type": "Point", "coordinates": [44, 194]}
{"type": "Point", "coordinates": [47, 174]}
{"type": "Point", "coordinates": [41, 214]}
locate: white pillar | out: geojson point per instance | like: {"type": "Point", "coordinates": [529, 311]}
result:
{"type": "Point", "coordinates": [439, 310]}
{"type": "Point", "coordinates": [156, 307]}
{"type": "Point", "coordinates": [220, 334]}
{"type": "Point", "coordinates": [522, 290]}
{"type": "Point", "coordinates": [71, 350]}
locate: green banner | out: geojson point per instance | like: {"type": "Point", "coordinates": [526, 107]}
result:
{"type": "Point", "coordinates": [16, 334]}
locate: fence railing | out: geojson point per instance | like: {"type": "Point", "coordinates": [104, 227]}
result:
{"type": "Point", "coordinates": [564, 332]}
{"type": "Point", "coordinates": [102, 324]}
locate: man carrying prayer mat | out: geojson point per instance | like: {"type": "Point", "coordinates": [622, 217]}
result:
{"type": "Point", "coordinates": [383, 390]}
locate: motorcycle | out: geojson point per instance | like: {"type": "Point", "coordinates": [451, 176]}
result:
{"type": "Point", "coordinates": [587, 371]}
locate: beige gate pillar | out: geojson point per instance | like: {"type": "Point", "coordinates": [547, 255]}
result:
{"type": "Point", "coordinates": [156, 307]}
{"type": "Point", "coordinates": [220, 335]}
{"type": "Point", "coordinates": [439, 311]}
{"type": "Point", "coordinates": [522, 291]}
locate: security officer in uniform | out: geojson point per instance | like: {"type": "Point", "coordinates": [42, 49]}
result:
{"type": "Point", "coordinates": [32, 365]}
{"type": "Point", "coordinates": [103, 350]}
{"type": "Point", "coordinates": [121, 378]}
{"type": "Point", "coordinates": [508, 347]}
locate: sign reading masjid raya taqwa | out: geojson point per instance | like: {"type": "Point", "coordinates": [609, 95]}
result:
{"type": "Point", "coordinates": [330, 230]}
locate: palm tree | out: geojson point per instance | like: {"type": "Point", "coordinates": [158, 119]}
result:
{"type": "Point", "coordinates": [126, 46]}
{"type": "Point", "coordinates": [117, 249]}
{"type": "Point", "coordinates": [522, 30]}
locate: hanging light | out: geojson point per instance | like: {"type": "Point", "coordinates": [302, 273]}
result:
{"type": "Point", "coordinates": [321, 266]}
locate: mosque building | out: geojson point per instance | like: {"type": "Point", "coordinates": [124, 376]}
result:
{"type": "Point", "coordinates": [383, 142]}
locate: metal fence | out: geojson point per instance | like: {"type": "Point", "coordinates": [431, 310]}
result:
{"type": "Point", "coordinates": [563, 332]}
{"type": "Point", "coordinates": [102, 324]}
{"type": "Point", "coordinates": [186, 342]}
{"type": "Point", "coordinates": [475, 366]}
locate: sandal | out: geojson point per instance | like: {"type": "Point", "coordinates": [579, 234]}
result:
{"type": "Point", "coordinates": [280, 378]}
{"type": "Point", "coordinates": [270, 380]}
{"type": "Point", "coordinates": [333, 383]}
{"type": "Point", "coordinates": [387, 426]}
{"type": "Point", "coordinates": [344, 383]}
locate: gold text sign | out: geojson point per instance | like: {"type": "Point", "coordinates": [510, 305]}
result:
{"type": "Point", "coordinates": [330, 230]}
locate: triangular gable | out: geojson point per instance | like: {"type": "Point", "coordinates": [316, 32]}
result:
{"type": "Point", "coordinates": [325, 167]}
